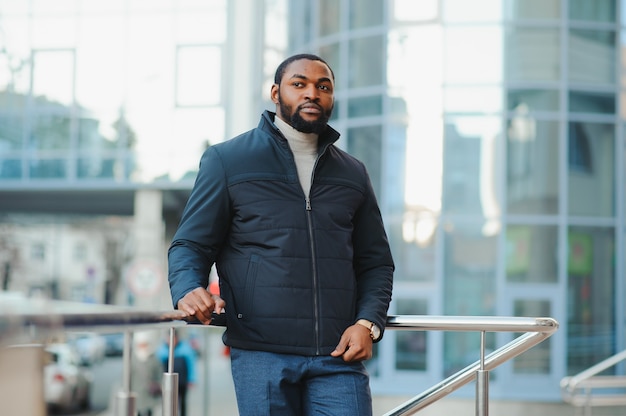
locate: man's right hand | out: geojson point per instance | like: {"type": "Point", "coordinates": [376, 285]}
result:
{"type": "Point", "coordinates": [200, 303]}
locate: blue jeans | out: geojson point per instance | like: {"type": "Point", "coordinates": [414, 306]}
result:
{"type": "Point", "coordinates": [293, 385]}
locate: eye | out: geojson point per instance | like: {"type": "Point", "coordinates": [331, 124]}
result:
{"type": "Point", "coordinates": [297, 84]}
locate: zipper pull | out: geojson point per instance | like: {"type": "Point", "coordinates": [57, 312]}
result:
{"type": "Point", "coordinates": [308, 204]}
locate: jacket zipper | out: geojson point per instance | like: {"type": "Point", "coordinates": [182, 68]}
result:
{"type": "Point", "coordinates": [308, 209]}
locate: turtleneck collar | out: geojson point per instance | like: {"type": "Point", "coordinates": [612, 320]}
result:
{"type": "Point", "coordinates": [298, 141]}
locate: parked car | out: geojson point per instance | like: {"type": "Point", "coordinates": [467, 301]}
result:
{"type": "Point", "coordinates": [114, 344]}
{"type": "Point", "coordinates": [90, 347]}
{"type": "Point", "coordinates": [67, 384]}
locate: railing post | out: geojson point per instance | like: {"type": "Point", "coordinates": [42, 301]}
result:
{"type": "Point", "coordinates": [482, 382]}
{"type": "Point", "coordinates": [125, 403]}
{"type": "Point", "coordinates": [169, 385]}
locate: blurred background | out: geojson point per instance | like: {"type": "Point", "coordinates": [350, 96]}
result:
{"type": "Point", "coordinates": [493, 131]}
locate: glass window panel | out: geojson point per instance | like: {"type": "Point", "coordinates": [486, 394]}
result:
{"type": "Point", "coordinates": [101, 82]}
{"type": "Point", "coordinates": [411, 351]}
{"type": "Point", "coordinates": [330, 53]}
{"type": "Point", "coordinates": [590, 297]}
{"type": "Point", "coordinates": [532, 165]}
{"type": "Point", "coordinates": [463, 100]}
{"type": "Point", "coordinates": [469, 288]}
{"type": "Point", "coordinates": [50, 131]}
{"type": "Point", "coordinates": [591, 56]}
{"type": "Point", "coordinates": [198, 69]}
{"type": "Point", "coordinates": [473, 65]}
{"type": "Point", "coordinates": [191, 27]}
{"type": "Point", "coordinates": [53, 76]}
{"type": "Point", "coordinates": [531, 254]}
{"type": "Point", "coordinates": [532, 54]}
{"type": "Point", "coordinates": [474, 11]}
{"type": "Point", "coordinates": [10, 168]}
{"type": "Point", "coordinates": [591, 169]}
{"type": "Point", "coordinates": [366, 61]}
{"type": "Point", "coordinates": [96, 166]}
{"type": "Point", "coordinates": [596, 10]}
{"type": "Point", "coordinates": [533, 99]}
{"type": "Point", "coordinates": [469, 165]}
{"type": "Point", "coordinates": [532, 9]}
{"type": "Point", "coordinates": [51, 168]}
{"type": "Point", "coordinates": [409, 10]}
{"type": "Point", "coordinates": [11, 130]}
{"type": "Point", "coordinates": [329, 16]}
{"type": "Point", "coordinates": [366, 13]}
{"type": "Point", "coordinates": [592, 102]}
{"type": "Point", "coordinates": [53, 32]}
{"type": "Point", "coordinates": [414, 245]}
{"type": "Point", "coordinates": [365, 106]}
{"type": "Point", "coordinates": [537, 359]}
{"type": "Point", "coordinates": [365, 143]}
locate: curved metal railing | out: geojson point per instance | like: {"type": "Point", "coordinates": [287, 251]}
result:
{"type": "Point", "coordinates": [31, 321]}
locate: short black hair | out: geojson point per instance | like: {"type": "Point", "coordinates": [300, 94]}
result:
{"type": "Point", "coordinates": [280, 71]}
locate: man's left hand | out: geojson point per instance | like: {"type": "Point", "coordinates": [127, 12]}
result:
{"type": "Point", "coordinates": [355, 344]}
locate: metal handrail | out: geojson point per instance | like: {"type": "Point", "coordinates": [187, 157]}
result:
{"type": "Point", "coordinates": [537, 330]}
{"type": "Point", "coordinates": [26, 320]}
{"type": "Point", "coordinates": [578, 390]}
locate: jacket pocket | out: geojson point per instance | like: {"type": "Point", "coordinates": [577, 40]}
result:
{"type": "Point", "coordinates": [248, 299]}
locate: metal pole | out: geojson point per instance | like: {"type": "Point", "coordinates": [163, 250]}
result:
{"type": "Point", "coordinates": [169, 385]}
{"type": "Point", "coordinates": [482, 382]}
{"type": "Point", "coordinates": [125, 404]}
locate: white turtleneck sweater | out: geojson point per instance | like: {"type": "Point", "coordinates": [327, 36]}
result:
{"type": "Point", "coordinates": [304, 148]}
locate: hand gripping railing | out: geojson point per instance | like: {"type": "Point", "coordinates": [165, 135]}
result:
{"type": "Point", "coordinates": [536, 330]}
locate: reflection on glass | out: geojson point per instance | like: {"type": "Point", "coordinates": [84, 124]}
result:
{"type": "Point", "coordinates": [365, 106]}
{"type": "Point", "coordinates": [592, 56]}
{"type": "Point", "coordinates": [366, 60]}
{"type": "Point", "coordinates": [474, 11]}
{"type": "Point", "coordinates": [469, 270]}
{"type": "Point", "coordinates": [532, 164]}
{"type": "Point", "coordinates": [411, 351]}
{"type": "Point", "coordinates": [469, 181]}
{"type": "Point", "coordinates": [473, 65]}
{"type": "Point", "coordinates": [365, 143]}
{"type": "Point", "coordinates": [53, 75]}
{"type": "Point", "coordinates": [591, 169]}
{"type": "Point", "coordinates": [537, 359]}
{"type": "Point", "coordinates": [590, 297]}
{"type": "Point", "coordinates": [533, 9]}
{"type": "Point", "coordinates": [10, 168]}
{"type": "Point", "coordinates": [329, 17]}
{"type": "Point", "coordinates": [531, 254]}
{"type": "Point", "coordinates": [597, 102]}
{"type": "Point", "coordinates": [534, 99]}
{"type": "Point", "coordinates": [596, 10]}
{"type": "Point", "coordinates": [463, 99]}
{"type": "Point", "coordinates": [51, 131]}
{"type": "Point", "coordinates": [532, 54]}
{"type": "Point", "coordinates": [366, 13]}
{"type": "Point", "coordinates": [47, 168]}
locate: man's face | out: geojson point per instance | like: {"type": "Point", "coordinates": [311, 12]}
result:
{"type": "Point", "coordinates": [305, 97]}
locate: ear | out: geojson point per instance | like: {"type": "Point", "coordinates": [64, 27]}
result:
{"type": "Point", "coordinates": [274, 93]}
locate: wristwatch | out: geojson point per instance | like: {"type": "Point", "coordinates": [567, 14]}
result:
{"type": "Point", "coordinates": [374, 329]}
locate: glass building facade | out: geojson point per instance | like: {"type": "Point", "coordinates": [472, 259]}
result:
{"type": "Point", "coordinates": [493, 131]}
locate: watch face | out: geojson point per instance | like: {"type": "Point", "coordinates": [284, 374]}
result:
{"type": "Point", "coordinates": [375, 332]}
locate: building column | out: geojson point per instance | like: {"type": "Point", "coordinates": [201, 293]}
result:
{"type": "Point", "coordinates": [146, 275]}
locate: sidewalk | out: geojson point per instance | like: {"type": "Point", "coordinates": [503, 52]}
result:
{"type": "Point", "coordinates": [214, 394]}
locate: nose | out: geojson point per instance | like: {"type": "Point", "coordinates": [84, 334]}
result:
{"type": "Point", "coordinates": [311, 92]}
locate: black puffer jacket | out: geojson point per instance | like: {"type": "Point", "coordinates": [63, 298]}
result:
{"type": "Point", "coordinates": [294, 273]}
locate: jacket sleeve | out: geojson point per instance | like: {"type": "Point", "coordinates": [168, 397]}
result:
{"type": "Point", "coordinates": [202, 229]}
{"type": "Point", "coordinates": [373, 262]}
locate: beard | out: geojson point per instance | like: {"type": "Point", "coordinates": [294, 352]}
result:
{"type": "Point", "coordinates": [295, 120]}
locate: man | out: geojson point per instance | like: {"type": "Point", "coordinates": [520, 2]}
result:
{"type": "Point", "coordinates": [305, 269]}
